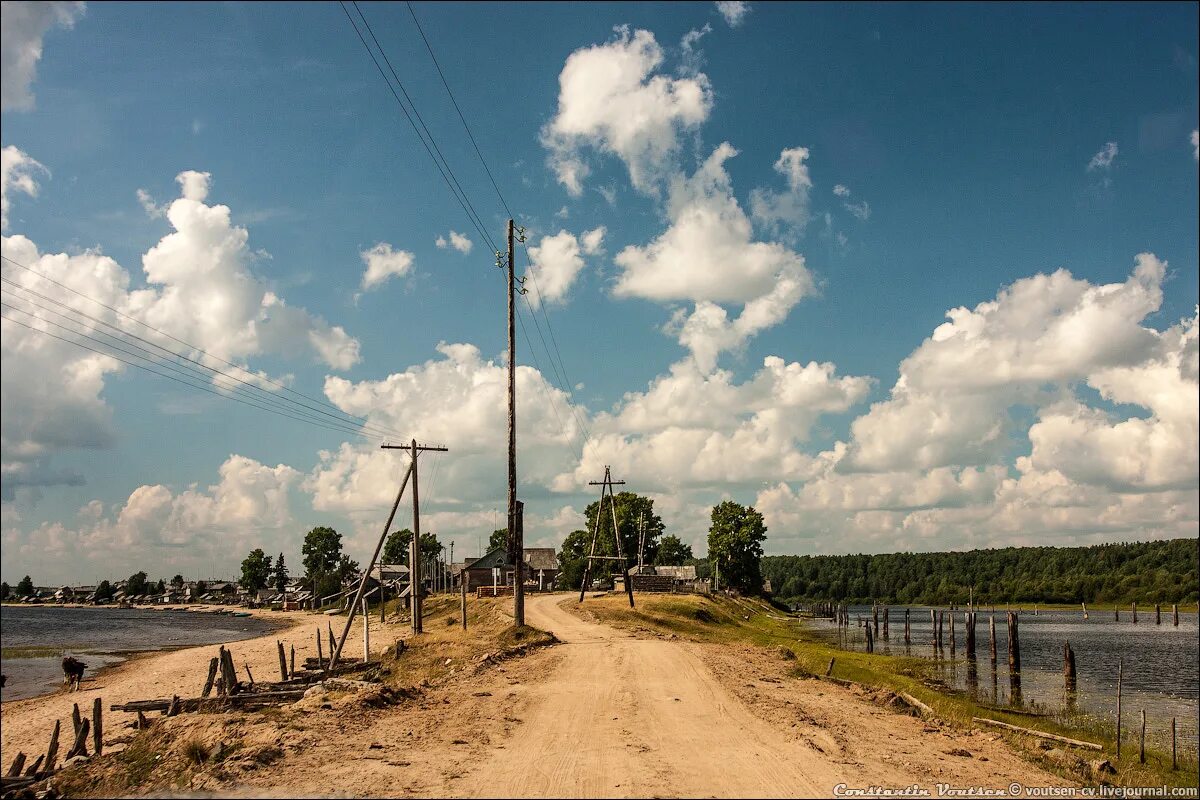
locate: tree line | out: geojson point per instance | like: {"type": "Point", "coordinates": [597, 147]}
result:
{"type": "Point", "coordinates": [1146, 572]}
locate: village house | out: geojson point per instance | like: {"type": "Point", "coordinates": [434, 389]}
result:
{"type": "Point", "coordinates": [541, 569]}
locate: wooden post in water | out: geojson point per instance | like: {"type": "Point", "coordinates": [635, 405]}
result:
{"type": "Point", "coordinates": [1142, 740]}
{"type": "Point", "coordinates": [98, 726]}
{"type": "Point", "coordinates": [1135, 612]}
{"type": "Point", "coordinates": [1116, 614]}
{"type": "Point", "coordinates": [1085, 611]}
{"type": "Point", "coordinates": [1158, 614]}
{"type": "Point", "coordinates": [875, 617]}
{"type": "Point", "coordinates": [1014, 657]}
{"type": "Point", "coordinates": [971, 635]}
{"type": "Point", "coordinates": [1175, 614]}
{"type": "Point", "coordinates": [952, 634]}
{"type": "Point", "coordinates": [907, 630]}
{"type": "Point", "coordinates": [1120, 675]}
{"type": "Point", "coordinates": [886, 613]}
{"type": "Point", "coordinates": [1068, 667]}
{"type": "Point", "coordinates": [870, 639]}
{"type": "Point", "coordinates": [992, 629]}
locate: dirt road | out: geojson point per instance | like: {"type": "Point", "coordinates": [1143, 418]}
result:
{"type": "Point", "coordinates": [624, 716]}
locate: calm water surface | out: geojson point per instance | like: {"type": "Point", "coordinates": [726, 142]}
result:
{"type": "Point", "coordinates": [1161, 665]}
{"type": "Point", "coordinates": [33, 639]}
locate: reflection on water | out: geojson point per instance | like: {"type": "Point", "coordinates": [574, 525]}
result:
{"type": "Point", "coordinates": [1161, 667]}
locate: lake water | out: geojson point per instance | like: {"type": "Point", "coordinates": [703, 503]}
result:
{"type": "Point", "coordinates": [1161, 667]}
{"type": "Point", "coordinates": [34, 639]}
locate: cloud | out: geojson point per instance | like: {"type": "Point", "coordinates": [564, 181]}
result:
{"type": "Point", "coordinates": [950, 403]}
{"type": "Point", "coordinates": [612, 100]}
{"type": "Point", "coordinates": [770, 208]}
{"type": "Point", "coordinates": [707, 255]}
{"type": "Point", "coordinates": [1103, 160]}
{"type": "Point", "coordinates": [200, 289]}
{"type": "Point", "coordinates": [382, 263]}
{"type": "Point", "coordinates": [18, 172]}
{"type": "Point", "coordinates": [734, 11]}
{"type": "Point", "coordinates": [24, 26]}
{"type": "Point", "coordinates": [457, 240]}
{"type": "Point", "coordinates": [693, 429]}
{"type": "Point", "coordinates": [862, 209]}
{"type": "Point", "coordinates": [458, 398]}
{"type": "Point", "coordinates": [168, 531]}
{"type": "Point", "coordinates": [1196, 145]}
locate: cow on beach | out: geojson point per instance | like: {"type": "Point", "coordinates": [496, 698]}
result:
{"type": "Point", "coordinates": [72, 672]}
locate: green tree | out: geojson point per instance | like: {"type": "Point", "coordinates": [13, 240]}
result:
{"type": "Point", "coordinates": [735, 544]}
{"type": "Point", "coordinates": [105, 591]}
{"type": "Point", "coordinates": [136, 585]}
{"type": "Point", "coordinates": [322, 552]}
{"type": "Point", "coordinates": [177, 582]}
{"type": "Point", "coordinates": [499, 538]}
{"type": "Point", "coordinates": [395, 547]}
{"type": "Point", "coordinates": [672, 552]}
{"type": "Point", "coordinates": [630, 509]}
{"type": "Point", "coordinates": [5, 590]}
{"type": "Point", "coordinates": [161, 587]}
{"type": "Point", "coordinates": [201, 588]}
{"type": "Point", "coordinates": [256, 571]}
{"type": "Point", "coordinates": [25, 587]}
{"type": "Point", "coordinates": [280, 580]}
{"type": "Point", "coordinates": [572, 557]}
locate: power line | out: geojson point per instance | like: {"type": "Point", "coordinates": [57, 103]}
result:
{"type": "Point", "coordinates": [203, 388]}
{"type": "Point", "coordinates": [559, 368]}
{"type": "Point", "coordinates": [145, 355]}
{"type": "Point", "coordinates": [459, 110]}
{"type": "Point", "coordinates": [191, 347]}
{"type": "Point", "coordinates": [463, 201]}
{"type": "Point", "coordinates": [265, 396]}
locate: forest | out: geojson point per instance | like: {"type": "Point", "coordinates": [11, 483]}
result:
{"type": "Point", "coordinates": [1143, 572]}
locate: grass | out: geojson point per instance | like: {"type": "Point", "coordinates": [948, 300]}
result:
{"type": "Point", "coordinates": [752, 621]}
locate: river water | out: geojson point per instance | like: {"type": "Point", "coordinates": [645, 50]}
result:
{"type": "Point", "coordinates": [34, 639]}
{"type": "Point", "coordinates": [1161, 672]}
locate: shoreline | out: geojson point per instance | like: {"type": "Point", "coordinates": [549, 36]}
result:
{"type": "Point", "coordinates": [151, 674]}
{"type": "Point", "coordinates": [127, 655]}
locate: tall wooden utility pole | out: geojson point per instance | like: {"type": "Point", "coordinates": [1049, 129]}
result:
{"type": "Point", "coordinates": [516, 544]}
{"type": "Point", "coordinates": [414, 546]}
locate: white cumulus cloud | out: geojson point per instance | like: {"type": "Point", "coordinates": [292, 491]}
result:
{"type": "Point", "coordinates": [1103, 160]}
{"type": "Point", "coordinates": [18, 172]}
{"type": "Point", "coordinates": [23, 26]}
{"type": "Point", "coordinates": [612, 99]}
{"type": "Point", "coordinates": [382, 263]}
{"type": "Point", "coordinates": [458, 241]}
{"type": "Point", "coordinates": [734, 11]}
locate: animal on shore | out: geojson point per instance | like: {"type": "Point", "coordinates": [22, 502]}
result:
{"type": "Point", "coordinates": [72, 672]}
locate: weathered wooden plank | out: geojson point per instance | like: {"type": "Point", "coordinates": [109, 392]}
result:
{"type": "Point", "coordinates": [1031, 732]}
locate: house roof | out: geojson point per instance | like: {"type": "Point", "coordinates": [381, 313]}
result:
{"type": "Point", "coordinates": [541, 558]}
{"type": "Point", "coordinates": [496, 557]}
{"type": "Point", "coordinates": [678, 573]}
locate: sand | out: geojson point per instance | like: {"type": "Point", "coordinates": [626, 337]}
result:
{"type": "Point", "coordinates": [27, 724]}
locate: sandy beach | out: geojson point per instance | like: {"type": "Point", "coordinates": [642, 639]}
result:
{"type": "Point", "coordinates": [27, 724]}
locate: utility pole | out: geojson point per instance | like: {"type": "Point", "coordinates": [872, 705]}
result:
{"type": "Point", "coordinates": [414, 546]}
{"type": "Point", "coordinates": [516, 544]}
{"type": "Point", "coordinates": [641, 541]}
{"type": "Point", "coordinates": [606, 488]}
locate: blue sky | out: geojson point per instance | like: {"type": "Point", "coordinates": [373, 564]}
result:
{"type": "Point", "coordinates": [950, 152]}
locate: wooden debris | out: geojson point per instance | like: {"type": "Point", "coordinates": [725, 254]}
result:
{"type": "Point", "coordinates": [1031, 732]}
{"type": "Point", "coordinates": [18, 764]}
{"type": "Point", "coordinates": [98, 726]}
{"type": "Point", "coordinates": [213, 703]}
{"type": "Point", "coordinates": [283, 670]}
{"type": "Point", "coordinates": [213, 663]}
{"type": "Point", "coordinates": [76, 720]}
{"type": "Point", "coordinates": [915, 703]}
{"type": "Point", "coordinates": [80, 746]}
{"type": "Point", "coordinates": [172, 707]}
{"type": "Point", "coordinates": [52, 749]}
{"type": "Point", "coordinates": [32, 770]}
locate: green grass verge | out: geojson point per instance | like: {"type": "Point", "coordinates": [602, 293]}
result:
{"type": "Point", "coordinates": [752, 621]}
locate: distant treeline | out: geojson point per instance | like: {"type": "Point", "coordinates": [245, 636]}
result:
{"type": "Point", "coordinates": [1144, 572]}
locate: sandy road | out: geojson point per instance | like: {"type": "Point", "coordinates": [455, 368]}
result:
{"type": "Point", "coordinates": [634, 717]}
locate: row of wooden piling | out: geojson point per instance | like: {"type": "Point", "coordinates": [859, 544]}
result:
{"type": "Point", "coordinates": [44, 765]}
